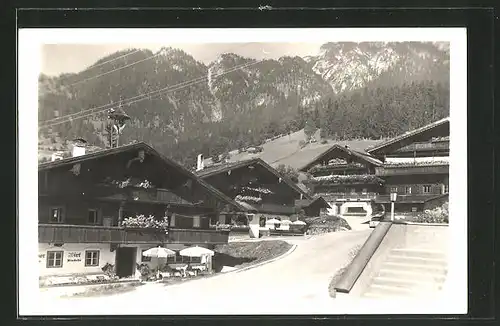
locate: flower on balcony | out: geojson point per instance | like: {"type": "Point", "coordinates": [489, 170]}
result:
{"type": "Point", "coordinates": [445, 138]}
{"type": "Point", "coordinates": [346, 179]}
{"type": "Point", "coordinates": [143, 222]}
{"type": "Point", "coordinates": [248, 198]}
{"type": "Point", "coordinates": [416, 163]}
{"type": "Point", "coordinates": [131, 182]}
{"type": "Point", "coordinates": [338, 163]}
{"type": "Point", "coordinates": [259, 189]}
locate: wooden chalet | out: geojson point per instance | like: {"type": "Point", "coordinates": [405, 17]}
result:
{"type": "Point", "coordinates": [416, 167]}
{"type": "Point", "coordinates": [258, 187]}
{"type": "Point", "coordinates": [109, 206]}
{"type": "Point", "coordinates": [345, 178]}
{"type": "Point", "coordinates": [313, 207]}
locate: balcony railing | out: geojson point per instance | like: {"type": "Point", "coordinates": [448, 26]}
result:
{"type": "Point", "coordinates": [412, 169]}
{"type": "Point", "coordinates": [193, 236]}
{"type": "Point", "coordinates": [348, 196]}
{"type": "Point", "coordinates": [63, 233]}
{"type": "Point", "coordinates": [428, 146]}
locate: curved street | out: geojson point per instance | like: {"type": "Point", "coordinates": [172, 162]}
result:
{"type": "Point", "coordinates": [295, 284]}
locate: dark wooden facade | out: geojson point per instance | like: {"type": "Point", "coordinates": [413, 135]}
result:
{"type": "Point", "coordinates": [238, 179]}
{"type": "Point", "coordinates": [415, 167]}
{"type": "Point", "coordinates": [79, 200]}
{"type": "Point", "coordinates": [355, 175]}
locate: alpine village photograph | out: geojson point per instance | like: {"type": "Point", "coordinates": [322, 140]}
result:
{"type": "Point", "coordinates": [285, 177]}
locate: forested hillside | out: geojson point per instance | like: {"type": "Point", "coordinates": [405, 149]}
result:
{"type": "Point", "coordinates": [350, 90]}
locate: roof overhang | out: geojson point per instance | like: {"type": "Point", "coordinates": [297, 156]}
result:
{"type": "Point", "coordinates": [367, 158]}
{"type": "Point", "coordinates": [409, 134]}
{"type": "Point", "coordinates": [147, 149]}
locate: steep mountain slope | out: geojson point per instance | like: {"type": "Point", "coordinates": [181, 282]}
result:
{"type": "Point", "coordinates": [211, 109]}
{"type": "Point", "coordinates": [348, 66]}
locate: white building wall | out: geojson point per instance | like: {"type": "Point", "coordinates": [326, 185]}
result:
{"type": "Point", "coordinates": [74, 258]}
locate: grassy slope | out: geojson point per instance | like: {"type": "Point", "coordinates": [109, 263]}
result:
{"type": "Point", "coordinates": [286, 150]}
{"type": "Point", "coordinates": [243, 254]}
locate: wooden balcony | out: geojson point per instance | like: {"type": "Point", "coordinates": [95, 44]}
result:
{"type": "Point", "coordinates": [411, 169]}
{"type": "Point", "coordinates": [194, 236]}
{"type": "Point", "coordinates": [427, 146]}
{"type": "Point", "coordinates": [349, 196]}
{"type": "Point", "coordinates": [64, 233]}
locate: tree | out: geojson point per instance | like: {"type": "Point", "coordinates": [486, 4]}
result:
{"type": "Point", "coordinates": [309, 128]}
{"type": "Point", "coordinates": [288, 172]}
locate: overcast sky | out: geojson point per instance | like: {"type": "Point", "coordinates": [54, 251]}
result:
{"type": "Point", "coordinates": [72, 58]}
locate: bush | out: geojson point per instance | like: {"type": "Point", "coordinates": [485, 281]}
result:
{"type": "Point", "coordinates": [436, 215]}
{"type": "Point", "coordinates": [109, 270]}
{"type": "Point", "coordinates": [302, 143]}
{"type": "Point", "coordinates": [324, 141]}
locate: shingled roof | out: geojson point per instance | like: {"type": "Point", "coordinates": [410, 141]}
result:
{"type": "Point", "coordinates": [408, 134]}
{"type": "Point", "coordinates": [224, 167]}
{"type": "Point", "coordinates": [363, 156]}
{"type": "Point", "coordinates": [148, 149]}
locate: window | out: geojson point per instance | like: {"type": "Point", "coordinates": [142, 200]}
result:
{"type": "Point", "coordinates": [91, 257]}
{"type": "Point", "coordinates": [145, 259]}
{"type": "Point", "coordinates": [413, 209]}
{"type": "Point", "coordinates": [426, 189]}
{"type": "Point", "coordinates": [394, 189]}
{"type": "Point", "coordinates": [446, 188]}
{"type": "Point", "coordinates": [408, 190]}
{"type": "Point", "coordinates": [55, 259]}
{"type": "Point", "coordinates": [196, 221]}
{"type": "Point", "coordinates": [56, 215]}
{"type": "Point", "coordinates": [93, 216]}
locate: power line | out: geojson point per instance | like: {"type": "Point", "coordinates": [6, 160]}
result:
{"type": "Point", "coordinates": [114, 59]}
{"type": "Point", "coordinates": [119, 68]}
{"type": "Point", "coordinates": [125, 102]}
{"type": "Point", "coordinates": [148, 95]}
{"type": "Point", "coordinates": [121, 101]}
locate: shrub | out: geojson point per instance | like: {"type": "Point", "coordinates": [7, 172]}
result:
{"type": "Point", "coordinates": [109, 270]}
{"type": "Point", "coordinates": [437, 215]}
{"type": "Point", "coordinates": [302, 143]}
{"type": "Point", "coordinates": [324, 141]}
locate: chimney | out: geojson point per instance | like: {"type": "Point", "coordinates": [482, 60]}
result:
{"type": "Point", "coordinates": [199, 163]}
{"type": "Point", "coordinates": [79, 145]}
{"type": "Point", "coordinates": [56, 156]}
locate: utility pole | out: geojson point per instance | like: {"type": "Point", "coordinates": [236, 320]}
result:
{"type": "Point", "coordinates": [117, 120]}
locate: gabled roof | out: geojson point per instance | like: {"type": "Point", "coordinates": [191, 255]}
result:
{"type": "Point", "coordinates": [308, 202]}
{"type": "Point", "coordinates": [222, 168]}
{"type": "Point", "coordinates": [363, 156]}
{"type": "Point", "coordinates": [148, 149]}
{"type": "Point", "coordinates": [408, 134]}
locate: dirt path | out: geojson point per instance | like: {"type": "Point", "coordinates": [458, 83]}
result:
{"type": "Point", "coordinates": [297, 283]}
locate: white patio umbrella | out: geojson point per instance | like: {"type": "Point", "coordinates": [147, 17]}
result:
{"type": "Point", "coordinates": [299, 222]}
{"type": "Point", "coordinates": [196, 252]}
{"type": "Point", "coordinates": [286, 222]}
{"type": "Point", "coordinates": [158, 252]}
{"type": "Point", "coordinates": [273, 221]}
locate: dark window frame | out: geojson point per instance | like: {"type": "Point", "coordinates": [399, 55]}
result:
{"type": "Point", "coordinates": [424, 187]}
{"type": "Point", "coordinates": [96, 211]}
{"type": "Point", "coordinates": [61, 214]}
{"type": "Point", "coordinates": [97, 260]}
{"type": "Point", "coordinates": [408, 190]}
{"type": "Point", "coordinates": [54, 252]}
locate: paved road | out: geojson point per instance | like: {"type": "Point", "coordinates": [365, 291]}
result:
{"type": "Point", "coordinates": [297, 284]}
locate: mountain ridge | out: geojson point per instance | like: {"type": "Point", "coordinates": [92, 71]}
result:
{"type": "Point", "coordinates": [216, 114]}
